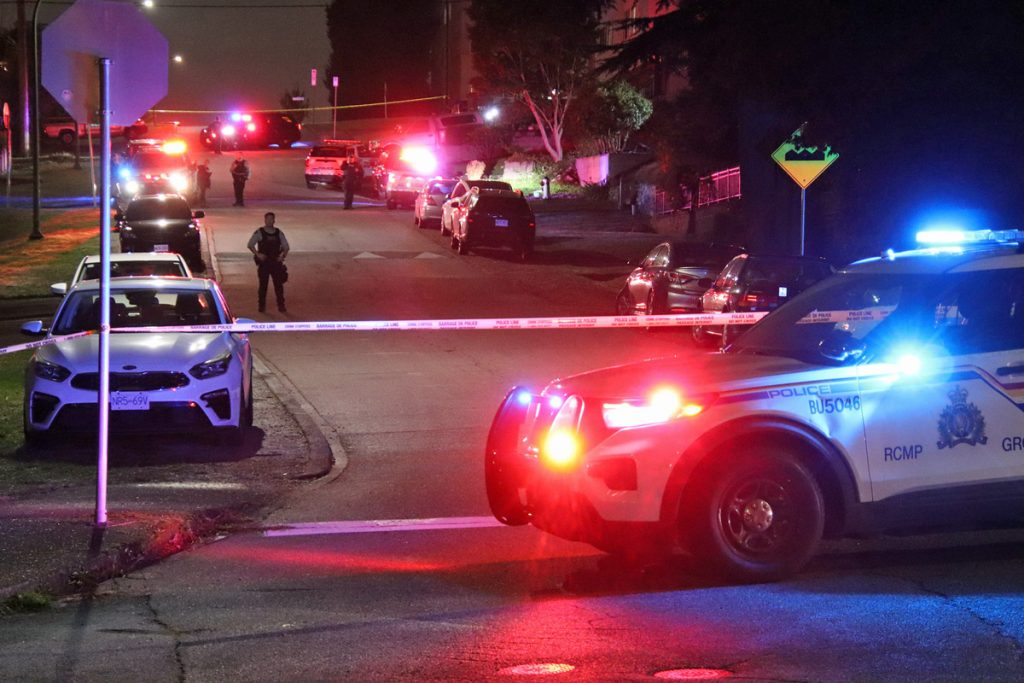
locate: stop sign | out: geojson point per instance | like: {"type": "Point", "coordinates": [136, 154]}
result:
{"type": "Point", "coordinates": [91, 29]}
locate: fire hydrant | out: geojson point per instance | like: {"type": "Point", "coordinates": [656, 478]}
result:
{"type": "Point", "coordinates": [545, 187]}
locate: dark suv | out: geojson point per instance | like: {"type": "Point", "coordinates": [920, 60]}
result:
{"type": "Point", "coordinates": [161, 222]}
{"type": "Point", "coordinates": [750, 283]}
{"type": "Point", "coordinates": [499, 218]}
{"type": "Point", "coordinates": [252, 131]}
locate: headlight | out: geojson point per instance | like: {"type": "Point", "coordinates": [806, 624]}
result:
{"type": "Point", "coordinates": [179, 182]}
{"type": "Point", "coordinates": [661, 406]}
{"type": "Point", "coordinates": [51, 371]}
{"type": "Point", "coordinates": [211, 368]}
{"type": "Point", "coordinates": [132, 187]}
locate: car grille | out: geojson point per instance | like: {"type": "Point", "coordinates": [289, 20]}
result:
{"type": "Point", "coordinates": [132, 381]}
{"type": "Point", "coordinates": [179, 417]}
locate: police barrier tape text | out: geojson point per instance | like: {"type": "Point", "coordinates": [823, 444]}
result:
{"type": "Point", "coordinates": [570, 323]}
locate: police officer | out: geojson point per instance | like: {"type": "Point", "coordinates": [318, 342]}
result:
{"type": "Point", "coordinates": [203, 176]}
{"type": "Point", "coordinates": [269, 247]}
{"type": "Point", "coordinates": [352, 175]}
{"type": "Point", "coordinates": [239, 174]}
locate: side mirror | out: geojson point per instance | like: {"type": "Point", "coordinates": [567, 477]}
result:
{"type": "Point", "coordinates": [705, 283]}
{"type": "Point", "coordinates": [199, 214]}
{"type": "Point", "coordinates": [59, 288]}
{"type": "Point", "coordinates": [34, 328]}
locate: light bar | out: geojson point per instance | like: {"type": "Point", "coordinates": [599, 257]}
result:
{"type": "Point", "coordinates": [946, 236]}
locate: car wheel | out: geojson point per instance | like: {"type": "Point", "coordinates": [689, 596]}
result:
{"type": "Point", "coordinates": [247, 413]}
{"type": "Point", "coordinates": [524, 251]}
{"type": "Point", "coordinates": [444, 230]}
{"type": "Point", "coordinates": [311, 186]}
{"type": "Point", "coordinates": [391, 205]}
{"type": "Point", "coordinates": [454, 242]}
{"type": "Point", "coordinates": [463, 247]}
{"type": "Point", "coordinates": [761, 519]}
{"type": "Point", "coordinates": [624, 303]}
{"type": "Point", "coordinates": [67, 138]}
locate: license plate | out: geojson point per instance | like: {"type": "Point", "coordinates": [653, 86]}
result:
{"type": "Point", "coordinates": [129, 400]}
{"type": "Point", "coordinates": [500, 223]}
{"type": "Point", "coordinates": [161, 248]}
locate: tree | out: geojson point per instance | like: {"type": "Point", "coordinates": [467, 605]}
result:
{"type": "Point", "coordinates": [618, 111]}
{"type": "Point", "coordinates": [540, 52]}
{"type": "Point", "coordinates": [294, 99]}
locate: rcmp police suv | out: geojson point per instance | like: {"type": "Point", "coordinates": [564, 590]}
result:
{"type": "Point", "coordinates": [888, 396]}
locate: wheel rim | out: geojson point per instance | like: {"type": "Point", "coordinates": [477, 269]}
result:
{"type": "Point", "coordinates": [758, 516]}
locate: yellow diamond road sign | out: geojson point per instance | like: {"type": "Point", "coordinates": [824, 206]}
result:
{"type": "Point", "coordinates": [803, 164]}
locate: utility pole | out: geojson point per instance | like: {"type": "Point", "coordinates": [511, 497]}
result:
{"type": "Point", "coordinates": [24, 134]}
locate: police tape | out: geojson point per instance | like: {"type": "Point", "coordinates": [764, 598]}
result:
{"type": "Point", "coordinates": [459, 324]}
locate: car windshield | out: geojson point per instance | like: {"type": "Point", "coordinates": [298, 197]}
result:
{"type": "Point", "coordinates": [502, 205]}
{"type": "Point", "coordinates": [147, 161]}
{"type": "Point", "coordinates": [155, 208]}
{"type": "Point", "coordinates": [138, 308]}
{"type": "Point", "coordinates": [135, 269]}
{"type": "Point", "coordinates": [851, 318]}
{"type": "Point", "coordinates": [490, 184]}
{"type": "Point", "coordinates": [702, 256]}
{"type": "Point", "coordinates": [783, 270]}
{"type": "Point", "coordinates": [329, 152]}
{"type": "Point", "coordinates": [440, 188]}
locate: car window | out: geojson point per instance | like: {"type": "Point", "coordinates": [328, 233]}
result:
{"type": "Point", "coordinates": [651, 256]}
{"type": "Point", "coordinates": [440, 188]}
{"type": "Point", "coordinates": [155, 208]}
{"type": "Point", "coordinates": [783, 271]}
{"type": "Point", "coordinates": [730, 274]}
{"type": "Point", "coordinates": [701, 256]}
{"type": "Point", "coordinates": [490, 184]}
{"type": "Point", "coordinates": [459, 190]}
{"type": "Point", "coordinates": [329, 152]}
{"type": "Point", "coordinates": [661, 257]}
{"type": "Point", "coordinates": [138, 308]}
{"type": "Point", "coordinates": [501, 205]}
{"type": "Point", "coordinates": [135, 269]}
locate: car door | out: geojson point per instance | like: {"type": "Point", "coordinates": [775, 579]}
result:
{"type": "Point", "coordinates": [953, 415]}
{"type": "Point", "coordinates": [716, 299]}
{"type": "Point", "coordinates": [642, 278]}
{"type": "Point", "coordinates": [446, 210]}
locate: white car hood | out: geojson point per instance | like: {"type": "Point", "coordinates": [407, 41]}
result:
{"type": "Point", "coordinates": [146, 351]}
{"type": "Point", "coordinates": [697, 373]}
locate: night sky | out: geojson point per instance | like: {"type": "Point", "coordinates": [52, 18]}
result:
{"type": "Point", "coordinates": [237, 53]}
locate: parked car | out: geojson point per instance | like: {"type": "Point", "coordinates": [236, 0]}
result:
{"type": "Point", "coordinates": [753, 283]}
{"type": "Point", "coordinates": [64, 130]}
{"type": "Point", "coordinates": [173, 382]}
{"type": "Point", "coordinates": [494, 218]}
{"type": "Point", "coordinates": [426, 210]}
{"type": "Point", "coordinates": [324, 161]}
{"type": "Point", "coordinates": [161, 222]}
{"type": "Point", "coordinates": [463, 186]}
{"type": "Point", "coordinates": [126, 265]}
{"type": "Point", "coordinates": [886, 398]}
{"type": "Point", "coordinates": [667, 279]}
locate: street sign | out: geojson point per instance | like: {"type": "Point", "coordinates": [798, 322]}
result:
{"type": "Point", "coordinates": [91, 29]}
{"type": "Point", "coordinates": [803, 163]}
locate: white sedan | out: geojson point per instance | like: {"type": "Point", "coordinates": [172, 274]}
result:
{"type": "Point", "coordinates": [160, 382]}
{"type": "Point", "coordinates": [127, 265]}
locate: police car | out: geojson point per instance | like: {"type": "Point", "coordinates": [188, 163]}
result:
{"type": "Point", "coordinates": [886, 397]}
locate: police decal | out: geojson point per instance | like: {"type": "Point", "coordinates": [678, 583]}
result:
{"type": "Point", "coordinates": [961, 422]}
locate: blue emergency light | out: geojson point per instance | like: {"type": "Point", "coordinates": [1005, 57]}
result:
{"type": "Point", "coordinates": [955, 237]}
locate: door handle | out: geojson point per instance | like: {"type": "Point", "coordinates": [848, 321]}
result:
{"type": "Point", "coordinates": [1015, 369]}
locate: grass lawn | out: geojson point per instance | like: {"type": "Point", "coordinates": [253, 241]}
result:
{"type": "Point", "coordinates": [28, 267]}
{"type": "Point", "coordinates": [57, 177]}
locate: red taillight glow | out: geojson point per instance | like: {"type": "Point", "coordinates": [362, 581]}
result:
{"type": "Point", "coordinates": [175, 147]}
{"type": "Point", "coordinates": [250, 127]}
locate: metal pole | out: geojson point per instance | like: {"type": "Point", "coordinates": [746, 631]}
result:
{"type": "Point", "coordinates": [334, 115]}
{"type": "Point", "coordinates": [803, 217]}
{"type": "Point", "coordinates": [103, 399]}
{"type": "Point", "coordinates": [35, 234]}
{"type": "Point", "coordinates": [25, 115]}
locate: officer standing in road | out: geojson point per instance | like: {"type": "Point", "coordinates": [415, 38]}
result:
{"type": "Point", "coordinates": [239, 174]}
{"type": "Point", "coordinates": [269, 247]}
{"type": "Point", "coordinates": [352, 176]}
{"type": "Point", "coordinates": [203, 176]}
{"type": "Point", "coordinates": [218, 135]}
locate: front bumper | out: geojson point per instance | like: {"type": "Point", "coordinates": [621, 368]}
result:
{"type": "Point", "coordinates": [182, 244]}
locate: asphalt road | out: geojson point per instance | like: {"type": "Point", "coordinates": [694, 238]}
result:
{"type": "Point", "coordinates": [391, 569]}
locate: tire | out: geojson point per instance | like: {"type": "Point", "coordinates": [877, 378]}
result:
{"type": "Point", "coordinates": [624, 303]}
{"type": "Point", "coordinates": [463, 247]}
{"type": "Point", "coordinates": [524, 251]}
{"type": "Point", "coordinates": [502, 475]}
{"type": "Point", "coordinates": [67, 138]}
{"type": "Point", "coordinates": [247, 411]}
{"type": "Point", "coordinates": [444, 231]}
{"type": "Point", "coordinates": [454, 242]}
{"type": "Point", "coordinates": [391, 205]}
{"type": "Point", "coordinates": [310, 186]}
{"type": "Point", "coordinates": [761, 518]}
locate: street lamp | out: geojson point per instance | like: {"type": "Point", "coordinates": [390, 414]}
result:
{"type": "Point", "coordinates": [178, 59]}
{"type": "Point", "coordinates": [148, 4]}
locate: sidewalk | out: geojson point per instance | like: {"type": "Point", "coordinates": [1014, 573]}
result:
{"type": "Point", "coordinates": [163, 496]}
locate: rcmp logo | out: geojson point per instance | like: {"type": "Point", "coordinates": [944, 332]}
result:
{"type": "Point", "coordinates": [961, 422]}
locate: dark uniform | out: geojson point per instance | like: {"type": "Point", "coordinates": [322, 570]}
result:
{"type": "Point", "coordinates": [352, 177]}
{"type": "Point", "coordinates": [239, 174]}
{"type": "Point", "coordinates": [269, 247]}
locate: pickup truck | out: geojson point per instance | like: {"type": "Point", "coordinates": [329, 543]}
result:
{"type": "Point", "coordinates": [64, 130]}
